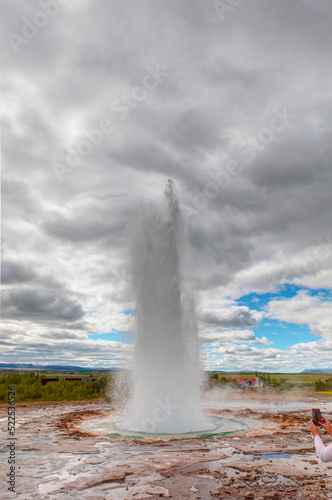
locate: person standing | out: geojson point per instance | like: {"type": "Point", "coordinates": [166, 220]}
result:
{"type": "Point", "coordinates": [324, 452]}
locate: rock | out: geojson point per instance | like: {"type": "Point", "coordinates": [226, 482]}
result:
{"type": "Point", "coordinates": [272, 495]}
{"type": "Point", "coordinates": [116, 477]}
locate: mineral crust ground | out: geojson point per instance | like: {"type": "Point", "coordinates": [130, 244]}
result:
{"type": "Point", "coordinates": [56, 458]}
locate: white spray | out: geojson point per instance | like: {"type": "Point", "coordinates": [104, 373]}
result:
{"type": "Point", "coordinates": [167, 373]}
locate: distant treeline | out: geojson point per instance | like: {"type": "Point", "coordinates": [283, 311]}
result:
{"type": "Point", "coordinates": [28, 387]}
{"type": "Point", "coordinates": [323, 385]}
{"type": "Point", "coordinates": [284, 383]}
{"type": "Point", "coordinates": [281, 383]}
{"type": "Point", "coordinates": [218, 379]}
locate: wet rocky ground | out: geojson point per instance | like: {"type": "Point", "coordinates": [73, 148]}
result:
{"type": "Point", "coordinates": [56, 459]}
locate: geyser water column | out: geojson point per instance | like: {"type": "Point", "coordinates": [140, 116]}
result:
{"type": "Point", "coordinates": [166, 397]}
{"type": "Point", "coordinates": [167, 373]}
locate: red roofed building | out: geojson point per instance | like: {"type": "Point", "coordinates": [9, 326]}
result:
{"type": "Point", "coordinates": [249, 383]}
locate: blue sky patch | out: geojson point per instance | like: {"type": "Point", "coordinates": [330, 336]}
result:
{"type": "Point", "coordinates": [115, 336]}
{"type": "Point", "coordinates": [259, 301]}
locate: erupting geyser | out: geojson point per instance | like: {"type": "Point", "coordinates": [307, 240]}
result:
{"type": "Point", "coordinates": [167, 373]}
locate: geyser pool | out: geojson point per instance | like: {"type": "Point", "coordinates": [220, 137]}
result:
{"type": "Point", "coordinates": [219, 426]}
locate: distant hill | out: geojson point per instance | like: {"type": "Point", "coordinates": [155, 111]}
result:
{"type": "Point", "coordinates": [237, 371]}
{"type": "Point", "coordinates": [4, 367]}
{"type": "Point", "coordinates": [245, 371]}
{"type": "Point", "coordinates": [326, 370]}
{"type": "Point", "coordinates": [62, 368]}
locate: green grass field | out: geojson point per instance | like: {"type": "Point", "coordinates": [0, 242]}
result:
{"type": "Point", "coordinates": [296, 378]}
{"type": "Point", "coordinates": [314, 382]}
{"type": "Point", "coordinates": [29, 387]}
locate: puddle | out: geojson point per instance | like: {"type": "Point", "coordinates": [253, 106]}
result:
{"type": "Point", "coordinates": [58, 480]}
{"type": "Point", "coordinates": [272, 455]}
{"type": "Point", "coordinates": [47, 488]}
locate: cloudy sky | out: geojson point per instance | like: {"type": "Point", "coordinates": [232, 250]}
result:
{"type": "Point", "coordinates": [105, 100]}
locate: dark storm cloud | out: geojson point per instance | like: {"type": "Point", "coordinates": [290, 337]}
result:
{"type": "Point", "coordinates": [194, 130]}
{"type": "Point", "coordinates": [17, 197]}
{"type": "Point", "coordinates": [40, 305]}
{"type": "Point", "coordinates": [232, 317]}
{"type": "Point", "coordinates": [66, 242]}
{"type": "Point", "coordinates": [15, 272]}
{"type": "Point", "coordinates": [80, 229]}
